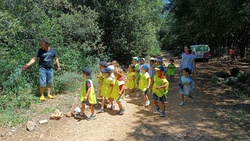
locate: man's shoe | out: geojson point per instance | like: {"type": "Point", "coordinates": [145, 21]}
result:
{"type": "Point", "coordinates": [50, 97]}
{"type": "Point", "coordinates": [42, 98]}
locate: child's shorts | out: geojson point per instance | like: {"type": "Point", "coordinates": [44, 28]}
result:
{"type": "Point", "coordinates": [162, 99]}
{"type": "Point", "coordinates": [145, 92]}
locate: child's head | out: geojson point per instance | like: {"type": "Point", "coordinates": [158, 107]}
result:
{"type": "Point", "coordinates": [144, 68]}
{"type": "Point", "coordinates": [142, 61]}
{"type": "Point", "coordinates": [171, 61]}
{"type": "Point", "coordinates": [103, 64]}
{"type": "Point", "coordinates": [186, 72]}
{"type": "Point", "coordinates": [159, 61]}
{"type": "Point", "coordinates": [131, 68]}
{"type": "Point", "coordinates": [159, 70]}
{"type": "Point", "coordinates": [115, 63]}
{"type": "Point", "coordinates": [152, 61]}
{"type": "Point", "coordinates": [118, 72]}
{"type": "Point", "coordinates": [106, 72]}
{"type": "Point", "coordinates": [86, 73]}
{"type": "Point", "coordinates": [135, 60]}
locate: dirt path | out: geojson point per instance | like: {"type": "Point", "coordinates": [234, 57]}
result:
{"type": "Point", "coordinates": [204, 120]}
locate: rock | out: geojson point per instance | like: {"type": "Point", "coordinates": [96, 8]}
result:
{"type": "Point", "coordinates": [30, 125]}
{"type": "Point", "coordinates": [220, 80]}
{"type": "Point", "coordinates": [69, 114]}
{"type": "Point", "coordinates": [56, 115]}
{"type": "Point", "coordinates": [43, 121]}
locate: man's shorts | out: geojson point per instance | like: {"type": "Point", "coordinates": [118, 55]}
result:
{"type": "Point", "coordinates": [162, 99]}
{"type": "Point", "coordinates": [45, 77]}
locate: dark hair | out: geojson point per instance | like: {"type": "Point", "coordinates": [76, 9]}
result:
{"type": "Point", "coordinates": [188, 46]}
{"type": "Point", "coordinates": [45, 40]}
{"type": "Point", "coordinates": [132, 66]}
{"type": "Point", "coordinates": [171, 60]}
{"type": "Point", "coordinates": [187, 70]}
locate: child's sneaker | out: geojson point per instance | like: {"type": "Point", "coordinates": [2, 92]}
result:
{"type": "Point", "coordinates": [100, 111]}
{"type": "Point", "coordinates": [147, 103]}
{"type": "Point", "coordinates": [182, 103]}
{"type": "Point", "coordinates": [42, 98]}
{"type": "Point", "coordinates": [163, 114]}
{"type": "Point", "coordinates": [156, 110]}
{"type": "Point", "coordinates": [50, 97]}
{"type": "Point", "coordinates": [127, 96]}
{"type": "Point", "coordinates": [80, 116]}
{"type": "Point", "coordinates": [121, 112]}
{"type": "Point", "coordinates": [193, 100]}
{"type": "Point", "coordinates": [91, 117]}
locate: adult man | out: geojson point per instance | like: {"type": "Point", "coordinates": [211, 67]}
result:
{"type": "Point", "coordinates": [46, 56]}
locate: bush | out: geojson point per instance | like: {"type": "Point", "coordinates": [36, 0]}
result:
{"type": "Point", "coordinates": [244, 77]}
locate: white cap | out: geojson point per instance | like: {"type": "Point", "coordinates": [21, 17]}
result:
{"type": "Point", "coordinates": [112, 67]}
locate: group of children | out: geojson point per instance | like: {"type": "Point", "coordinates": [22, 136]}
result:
{"type": "Point", "coordinates": [141, 77]}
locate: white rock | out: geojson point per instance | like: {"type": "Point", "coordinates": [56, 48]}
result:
{"type": "Point", "coordinates": [30, 125]}
{"type": "Point", "coordinates": [43, 121]}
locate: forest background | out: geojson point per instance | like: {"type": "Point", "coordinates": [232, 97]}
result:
{"type": "Point", "coordinates": [83, 32]}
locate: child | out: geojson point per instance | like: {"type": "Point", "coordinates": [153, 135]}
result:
{"type": "Point", "coordinates": [137, 71]}
{"type": "Point", "coordinates": [160, 88]}
{"type": "Point", "coordinates": [151, 70]}
{"type": "Point", "coordinates": [186, 85]}
{"type": "Point", "coordinates": [118, 89]}
{"type": "Point", "coordinates": [144, 83]}
{"type": "Point", "coordinates": [100, 77]}
{"type": "Point", "coordinates": [130, 82]}
{"type": "Point", "coordinates": [107, 86]}
{"type": "Point", "coordinates": [87, 95]}
{"type": "Point", "coordinates": [171, 70]}
{"type": "Point", "coordinates": [115, 63]}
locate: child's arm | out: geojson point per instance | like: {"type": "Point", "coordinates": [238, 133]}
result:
{"type": "Point", "coordinates": [122, 89]}
{"type": "Point", "coordinates": [149, 83]}
{"type": "Point", "coordinates": [162, 87]}
{"type": "Point", "coordinates": [88, 91]}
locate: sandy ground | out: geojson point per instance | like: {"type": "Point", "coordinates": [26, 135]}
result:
{"type": "Point", "coordinates": [208, 119]}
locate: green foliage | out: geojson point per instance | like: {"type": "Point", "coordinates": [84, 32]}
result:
{"type": "Point", "coordinates": [218, 23]}
{"type": "Point", "coordinates": [244, 77]}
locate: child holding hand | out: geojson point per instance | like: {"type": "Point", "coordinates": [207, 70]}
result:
{"type": "Point", "coordinates": [118, 89]}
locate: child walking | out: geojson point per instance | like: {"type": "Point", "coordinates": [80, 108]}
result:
{"type": "Point", "coordinates": [87, 95]}
{"type": "Point", "coordinates": [118, 89]}
{"type": "Point", "coordinates": [130, 81]}
{"type": "Point", "coordinates": [186, 85]}
{"type": "Point", "coordinates": [144, 83]}
{"type": "Point", "coordinates": [160, 89]}
{"type": "Point", "coordinates": [171, 70]}
{"type": "Point", "coordinates": [107, 85]}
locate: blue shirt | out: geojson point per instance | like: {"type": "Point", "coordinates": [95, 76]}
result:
{"type": "Point", "coordinates": [187, 61]}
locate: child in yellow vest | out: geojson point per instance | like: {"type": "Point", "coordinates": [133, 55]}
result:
{"type": "Point", "coordinates": [144, 83]}
{"type": "Point", "coordinates": [160, 88]}
{"type": "Point", "coordinates": [100, 77]}
{"type": "Point", "coordinates": [137, 71]}
{"type": "Point", "coordinates": [130, 81]}
{"type": "Point", "coordinates": [87, 95]}
{"type": "Point", "coordinates": [107, 86]}
{"type": "Point", "coordinates": [118, 89]}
